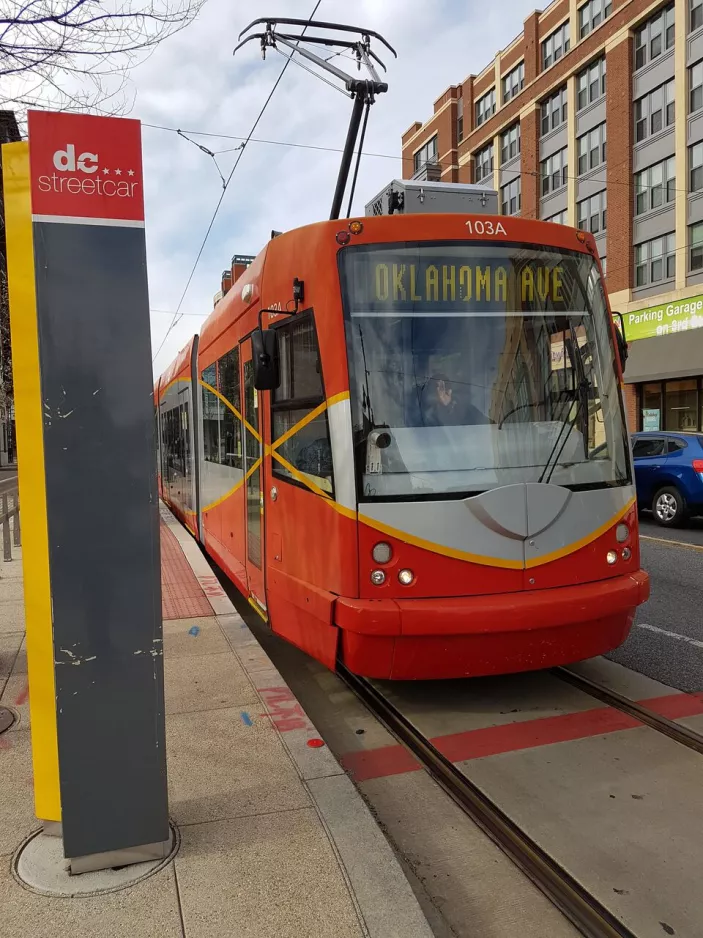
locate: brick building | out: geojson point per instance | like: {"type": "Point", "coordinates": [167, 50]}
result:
{"type": "Point", "coordinates": [593, 117]}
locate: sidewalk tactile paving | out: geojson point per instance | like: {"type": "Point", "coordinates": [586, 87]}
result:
{"type": "Point", "coordinates": [182, 596]}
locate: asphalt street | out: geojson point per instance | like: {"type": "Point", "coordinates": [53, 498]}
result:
{"type": "Point", "coordinates": [666, 642]}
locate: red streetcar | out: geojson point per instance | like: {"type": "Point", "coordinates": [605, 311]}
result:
{"type": "Point", "coordinates": [419, 465]}
{"type": "Point", "coordinates": [403, 437]}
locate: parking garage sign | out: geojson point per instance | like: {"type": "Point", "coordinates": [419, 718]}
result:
{"type": "Point", "coordinates": [666, 319]}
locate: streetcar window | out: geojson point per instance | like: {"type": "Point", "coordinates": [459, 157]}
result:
{"type": "Point", "coordinates": [304, 456]}
{"type": "Point", "coordinates": [221, 469]}
{"type": "Point", "coordinates": [211, 415]}
{"type": "Point", "coordinates": [484, 364]}
{"type": "Point", "coordinates": [230, 422]}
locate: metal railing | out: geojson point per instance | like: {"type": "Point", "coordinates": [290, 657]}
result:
{"type": "Point", "coordinates": [10, 531]}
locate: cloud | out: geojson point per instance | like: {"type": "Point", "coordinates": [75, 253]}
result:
{"type": "Point", "coordinates": [192, 82]}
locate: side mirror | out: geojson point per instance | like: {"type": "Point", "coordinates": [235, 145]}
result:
{"type": "Point", "coordinates": [621, 340]}
{"type": "Point", "coordinates": [264, 353]}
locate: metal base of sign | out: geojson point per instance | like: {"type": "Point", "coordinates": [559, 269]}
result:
{"type": "Point", "coordinates": [52, 828]}
{"type": "Point", "coordinates": [112, 859]}
{"type": "Point", "coordinates": [39, 865]}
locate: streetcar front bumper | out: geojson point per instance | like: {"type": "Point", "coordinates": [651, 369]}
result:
{"type": "Point", "coordinates": [465, 636]}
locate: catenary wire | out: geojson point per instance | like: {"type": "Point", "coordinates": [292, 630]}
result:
{"type": "Point", "coordinates": [224, 190]}
{"type": "Point", "coordinates": [406, 159]}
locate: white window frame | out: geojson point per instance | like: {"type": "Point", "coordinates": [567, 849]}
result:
{"type": "Point", "coordinates": [485, 107]}
{"type": "Point", "coordinates": [555, 45]}
{"type": "Point", "coordinates": [659, 178]}
{"type": "Point", "coordinates": [511, 197]}
{"type": "Point", "coordinates": [593, 74]}
{"type": "Point", "coordinates": [554, 172]}
{"type": "Point", "coordinates": [592, 14]}
{"type": "Point", "coordinates": [661, 250]}
{"type": "Point", "coordinates": [510, 143]}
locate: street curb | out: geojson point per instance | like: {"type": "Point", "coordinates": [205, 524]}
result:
{"type": "Point", "coordinates": [385, 901]}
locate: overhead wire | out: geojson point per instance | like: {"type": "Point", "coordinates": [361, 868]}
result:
{"type": "Point", "coordinates": [175, 319]}
{"type": "Point", "coordinates": [406, 159]}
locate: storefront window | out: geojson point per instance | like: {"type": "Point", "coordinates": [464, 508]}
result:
{"type": "Point", "coordinates": [671, 405]}
{"type": "Point", "coordinates": [651, 406]}
{"type": "Point", "coordinates": [681, 403]}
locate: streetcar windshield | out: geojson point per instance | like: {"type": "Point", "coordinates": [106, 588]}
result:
{"type": "Point", "coordinates": [474, 366]}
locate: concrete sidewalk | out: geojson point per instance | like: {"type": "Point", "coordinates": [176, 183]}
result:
{"type": "Point", "coordinates": [274, 837]}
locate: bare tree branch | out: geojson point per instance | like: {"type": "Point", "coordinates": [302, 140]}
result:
{"type": "Point", "coordinates": [77, 54]}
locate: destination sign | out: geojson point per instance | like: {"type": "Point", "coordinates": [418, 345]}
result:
{"type": "Point", "coordinates": [382, 281]}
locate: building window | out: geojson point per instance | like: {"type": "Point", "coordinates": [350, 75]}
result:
{"type": "Point", "coordinates": [485, 107]}
{"type": "Point", "coordinates": [591, 149]}
{"type": "Point", "coordinates": [681, 405]}
{"type": "Point", "coordinates": [554, 111]}
{"type": "Point", "coordinates": [555, 45]}
{"type": "Point", "coordinates": [655, 260]}
{"type": "Point", "coordinates": [695, 240]}
{"type": "Point", "coordinates": [306, 456]}
{"type": "Point", "coordinates": [654, 36]}
{"type": "Point", "coordinates": [483, 163]}
{"type": "Point", "coordinates": [554, 172]}
{"type": "Point", "coordinates": [604, 265]}
{"type": "Point", "coordinates": [510, 197]}
{"type": "Point", "coordinates": [655, 110]}
{"type": "Point", "coordinates": [558, 219]}
{"type": "Point", "coordinates": [590, 84]}
{"type": "Point", "coordinates": [426, 154]}
{"type": "Point", "coordinates": [510, 143]}
{"type": "Point", "coordinates": [696, 14]}
{"type": "Point", "coordinates": [695, 82]}
{"type": "Point", "coordinates": [655, 186]}
{"type": "Point", "coordinates": [514, 82]}
{"type": "Point", "coordinates": [695, 165]}
{"type": "Point", "coordinates": [460, 124]}
{"type": "Point", "coordinates": [592, 14]}
{"type": "Point", "coordinates": [671, 405]}
{"type": "Point", "coordinates": [592, 214]}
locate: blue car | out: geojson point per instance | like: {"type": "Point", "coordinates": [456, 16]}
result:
{"type": "Point", "coordinates": [669, 474]}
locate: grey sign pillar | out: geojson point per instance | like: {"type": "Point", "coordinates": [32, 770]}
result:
{"type": "Point", "coordinates": [102, 513]}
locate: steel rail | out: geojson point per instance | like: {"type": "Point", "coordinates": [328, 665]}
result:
{"type": "Point", "coordinates": [680, 734]}
{"type": "Point", "coordinates": [583, 910]}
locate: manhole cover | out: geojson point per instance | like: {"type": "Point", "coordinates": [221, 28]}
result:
{"type": "Point", "coordinates": [7, 718]}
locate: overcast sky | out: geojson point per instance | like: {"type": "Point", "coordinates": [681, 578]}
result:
{"type": "Point", "coordinates": [192, 82]}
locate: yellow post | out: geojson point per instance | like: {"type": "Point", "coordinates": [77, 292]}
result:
{"type": "Point", "coordinates": [30, 452]}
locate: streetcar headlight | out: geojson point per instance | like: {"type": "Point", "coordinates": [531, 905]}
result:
{"type": "Point", "coordinates": [378, 577]}
{"type": "Point", "coordinates": [626, 553]}
{"type": "Point", "coordinates": [406, 577]}
{"type": "Point", "coordinates": [611, 557]}
{"type": "Point", "coordinates": [382, 552]}
{"type": "Point", "coordinates": [622, 532]}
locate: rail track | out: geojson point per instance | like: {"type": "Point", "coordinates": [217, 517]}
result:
{"type": "Point", "coordinates": [681, 734]}
{"type": "Point", "coordinates": [577, 904]}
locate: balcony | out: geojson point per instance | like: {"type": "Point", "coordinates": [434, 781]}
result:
{"type": "Point", "coordinates": [429, 171]}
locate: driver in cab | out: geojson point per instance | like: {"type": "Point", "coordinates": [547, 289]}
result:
{"type": "Point", "coordinates": [448, 406]}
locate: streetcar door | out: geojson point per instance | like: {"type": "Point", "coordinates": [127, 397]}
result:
{"type": "Point", "coordinates": [253, 453]}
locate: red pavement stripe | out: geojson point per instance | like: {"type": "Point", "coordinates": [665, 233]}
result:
{"type": "Point", "coordinates": [675, 706]}
{"type": "Point", "coordinates": [511, 737]}
{"type": "Point", "coordinates": [182, 595]}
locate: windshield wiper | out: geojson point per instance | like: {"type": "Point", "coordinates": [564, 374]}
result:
{"type": "Point", "coordinates": [583, 387]}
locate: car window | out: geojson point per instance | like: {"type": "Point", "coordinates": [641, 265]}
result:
{"type": "Point", "coordinates": [649, 446]}
{"type": "Point", "coordinates": [675, 446]}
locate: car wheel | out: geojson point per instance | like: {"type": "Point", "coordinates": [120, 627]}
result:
{"type": "Point", "coordinates": [669, 507]}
